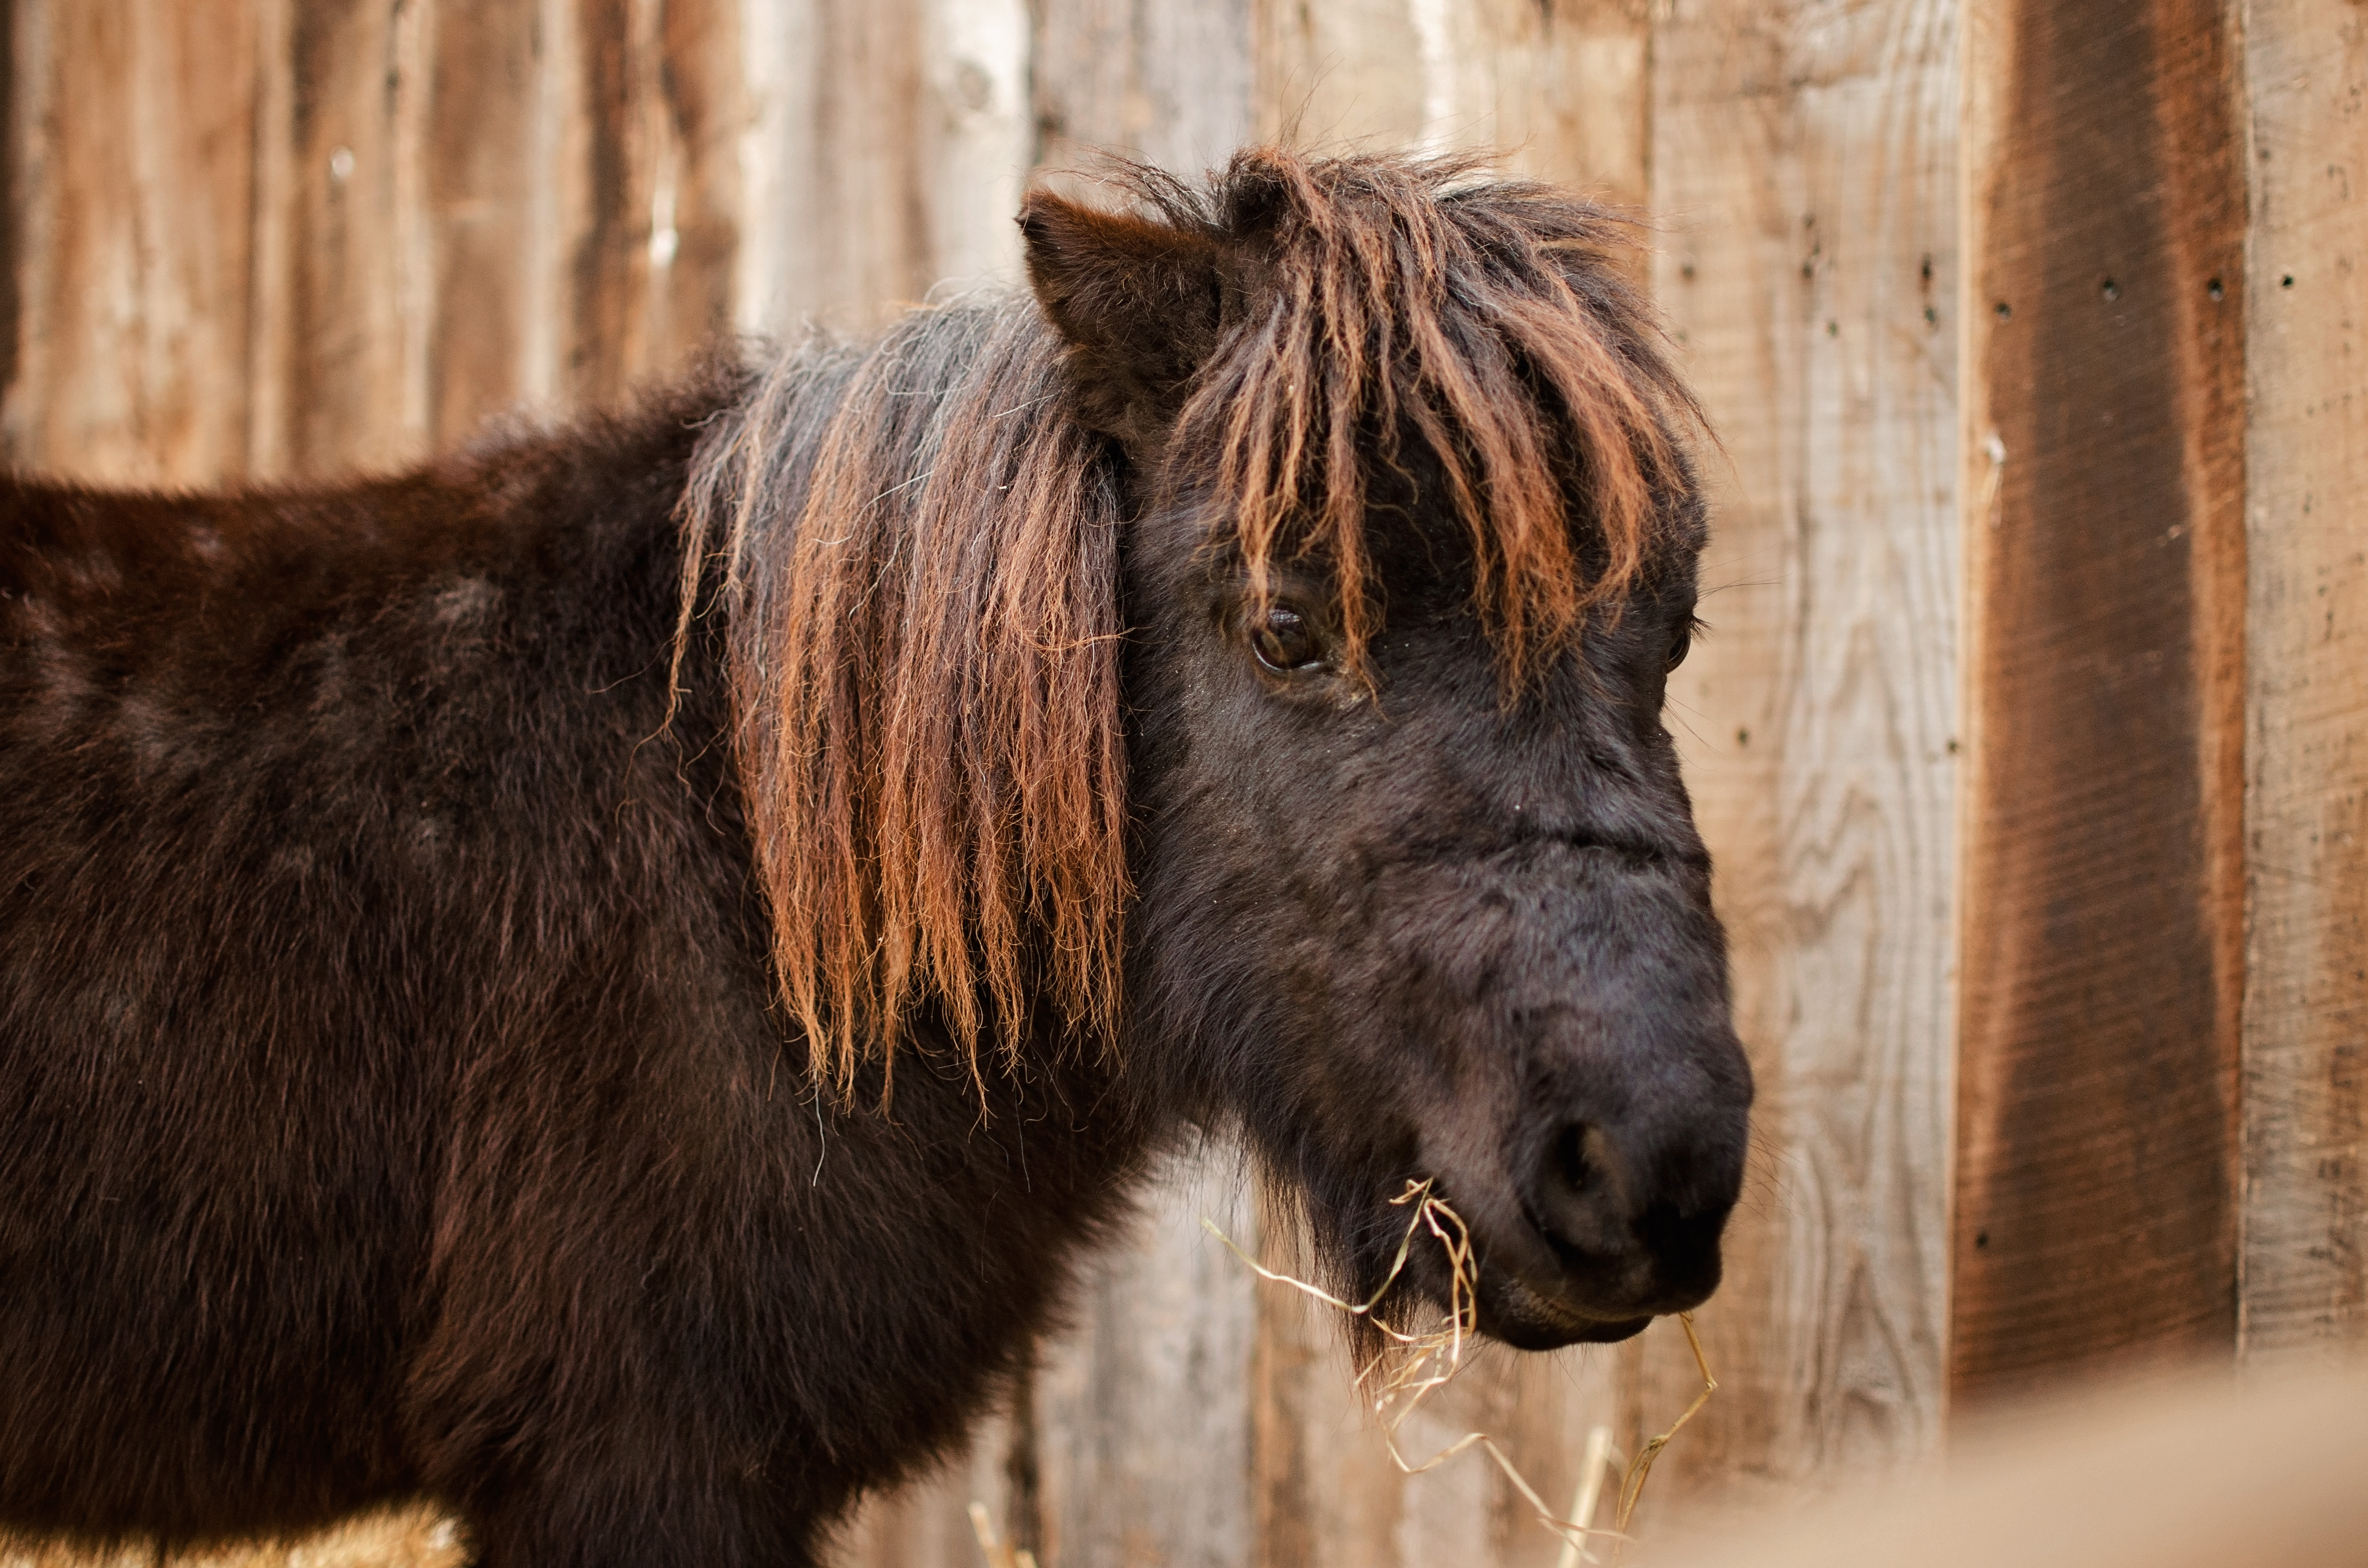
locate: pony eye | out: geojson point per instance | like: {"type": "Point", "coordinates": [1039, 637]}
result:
{"type": "Point", "coordinates": [1285, 643]}
{"type": "Point", "coordinates": [1679, 647]}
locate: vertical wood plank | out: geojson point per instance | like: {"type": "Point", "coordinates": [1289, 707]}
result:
{"type": "Point", "coordinates": [692, 83]}
{"type": "Point", "coordinates": [652, 236]}
{"type": "Point", "coordinates": [1806, 156]}
{"type": "Point", "coordinates": [1557, 92]}
{"type": "Point", "coordinates": [607, 246]}
{"type": "Point", "coordinates": [352, 366]}
{"type": "Point", "coordinates": [1343, 72]}
{"type": "Point", "coordinates": [12, 250]}
{"type": "Point", "coordinates": [2305, 1262]}
{"type": "Point", "coordinates": [889, 142]}
{"type": "Point", "coordinates": [2095, 1190]}
{"type": "Point", "coordinates": [130, 195]}
{"type": "Point", "coordinates": [270, 313]}
{"type": "Point", "coordinates": [845, 204]}
{"type": "Point", "coordinates": [770, 286]}
{"type": "Point", "coordinates": [1143, 1427]}
{"type": "Point", "coordinates": [1330, 1497]}
{"type": "Point", "coordinates": [482, 175]}
{"type": "Point", "coordinates": [1170, 82]}
{"type": "Point", "coordinates": [1142, 1413]}
{"type": "Point", "coordinates": [976, 70]}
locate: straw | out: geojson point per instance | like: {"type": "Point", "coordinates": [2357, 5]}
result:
{"type": "Point", "coordinates": [998, 1555]}
{"type": "Point", "coordinates": [1412, 1365]}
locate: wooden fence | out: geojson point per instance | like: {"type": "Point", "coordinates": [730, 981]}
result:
{"type": "Point", "coordinates": [2032, 736]}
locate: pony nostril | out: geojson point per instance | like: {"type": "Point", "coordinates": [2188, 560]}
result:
{"type": "Point", "coordinates": [1685, 1249]}
{"type": "Point", "coordinates": [1578, 1196]}
{"type": "Point", "coordinates": [1575, 1152]}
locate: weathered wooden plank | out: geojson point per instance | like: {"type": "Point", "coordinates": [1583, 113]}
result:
{"type": "Point", "coordinates": [979, 144]}
{"type": "Point", "coordinates": [12, 141]}
{"type": "Point", "coordinates": [607, 240]}
{"type": "Point", "coordinates": [1345, 72]}
{"type": "Point", "coordinates": [482, 176]}
{"type": "Point", "coordinates": [650, 239]}
{"type": "Point", "coordinates": [2096, 1189]}
{"type": "Point", "coordinates": [1135, 1436]}
{"type": "Point", "coordinates": [1139, 1429]}
{"type": "Point", "coordinates": [1331, 1497]}
{"type": "Point", "coordinates": [845, 219]}
{"type": "Point", "coordinates": [1142, 1415]}
{"type": "Point", "coordinates": [887, 147]}
{"type": "Point", "coordinates": [271, 313]}
{"type": "Point", "coordinates": [1554, 91]}
{"type": "Point", "coordinates": [1805, 157]}
{"type": "Point", "coordinates": [1170, 82]}
{"type": "Point", "coordinates": [130, 193]}
{"type": "Point", "coordinates": [694, 82]}
{"type": "Point", "coordinates": [2305, 1264]}
{"type": "Point", "coordinates": [351, 365]}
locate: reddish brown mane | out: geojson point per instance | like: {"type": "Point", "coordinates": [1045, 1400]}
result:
{"type": "Point", "coordinates": [920, 547]}
{"type": "Point", "coordinates": [1488, 320]}
{"type": "Point", "coordinates": [922, 567]}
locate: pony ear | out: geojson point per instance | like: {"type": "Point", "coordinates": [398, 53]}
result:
{"type": "Point", "coordinates": [1137, 301]}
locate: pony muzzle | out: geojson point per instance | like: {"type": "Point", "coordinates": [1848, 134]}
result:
{"type": "Point", "coordinates": [1597, 1229]}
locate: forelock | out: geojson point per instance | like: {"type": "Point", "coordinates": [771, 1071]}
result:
{"type": "Point", "coordinates": [1377, 302]}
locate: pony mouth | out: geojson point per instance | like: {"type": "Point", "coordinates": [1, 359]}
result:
{"type": "Point", "coordinates": [1510, 1310]}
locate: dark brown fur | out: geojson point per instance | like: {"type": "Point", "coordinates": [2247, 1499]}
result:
{"type": "Point", "coordinates": [456, 931]}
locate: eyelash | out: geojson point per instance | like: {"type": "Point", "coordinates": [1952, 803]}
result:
{"type": "Point", "coordinates": [1688, 632]}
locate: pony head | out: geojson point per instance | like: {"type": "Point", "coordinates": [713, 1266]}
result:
{"type": "Point", "coordinates": [1244, 660]}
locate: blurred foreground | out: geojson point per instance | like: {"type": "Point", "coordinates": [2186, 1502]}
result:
{"type": "Point", "coordinates": [2197, 1470]}
{"type": "Point", "coordinates": [413, 1538]}
{"type": "Point", "coordinates": [2183, 1472]}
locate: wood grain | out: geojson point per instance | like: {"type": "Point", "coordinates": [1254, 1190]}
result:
{"type": "Point", "coordinates": [1557, 92]}
{"type": "Point", "coordinates": [1143, 1414]}
{"type": "Point", "coordinates": [2304, 1263]}
{"type": "Point", "coordinates": [11, 241]}
{"type": "Point", "coordinates": [131, 185]}
{"type": "Point", "coordinates": [481, 177]}
{"type": "Point", "coordinates": [1811, 279]}
{"type": "Point", "coordinates": [2103, 922]}
{"type": "Point", "coordinates": [352, 364]}
{"type": "Point", "coordinates": [650, 250]}
{"type": "Point", "coordinates": [1170, 82]}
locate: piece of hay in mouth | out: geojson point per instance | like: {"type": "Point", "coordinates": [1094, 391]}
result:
{"type": "Point", "coordinates": [1411, 1365]}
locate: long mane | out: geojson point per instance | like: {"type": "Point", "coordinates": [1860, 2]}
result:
{"type": "Point", "coordinates": [914, 544]}
{"type": "Point", "coordinates": [920, 568]}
